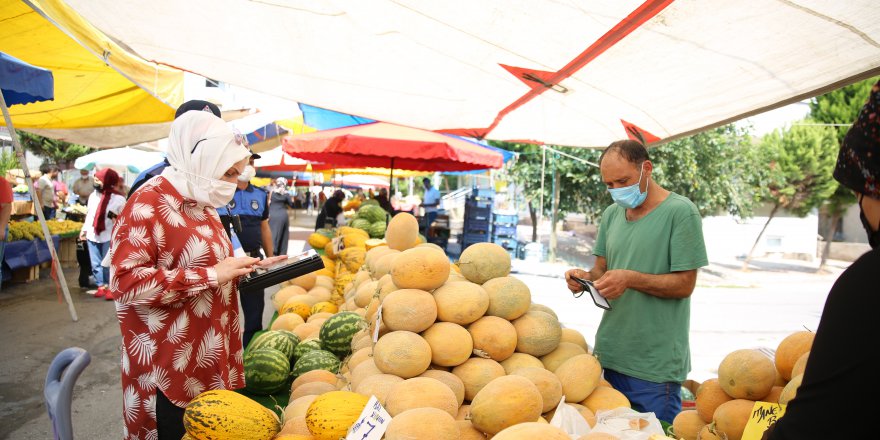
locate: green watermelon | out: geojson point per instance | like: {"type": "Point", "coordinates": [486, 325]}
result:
{"type": "Point", "coordinates": [377, 229]}
{"type": "Point", "coordinates": [277, 340]}
{"type": "Point", "coordinates": [265, 371]}
{"type": "Point", "coordinates": [316, 360]}
{"type": "Point", "coordinates": [338, 330]}
{"type": "Point", "coordinates": [371, 213]}
{"type": "Point", "coordinates": [305, 347]}
{"type": "Point", "coordinates": [361, 223]}
{"type": "Point", "coordinates": [370, 202]}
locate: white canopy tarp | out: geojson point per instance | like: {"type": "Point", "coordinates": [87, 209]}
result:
{"type": "Point", "coordinates": [576, 71]}
{"type": "Point", "coordinates": [121, 159]}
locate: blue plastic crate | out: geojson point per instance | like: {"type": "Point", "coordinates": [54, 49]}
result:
{"type": "Point", "coordinates": [509, 244]}
{"type": "Point", "coordinates": [504, 230]}
{"type": "Point", "coordinates": [506, 219]}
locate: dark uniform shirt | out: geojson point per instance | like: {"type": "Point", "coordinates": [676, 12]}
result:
{"type": "Point", "coordinates": [250, 205]}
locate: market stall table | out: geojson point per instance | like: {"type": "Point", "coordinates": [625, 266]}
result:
{"type": "Point", "coordinates": [22, 258]}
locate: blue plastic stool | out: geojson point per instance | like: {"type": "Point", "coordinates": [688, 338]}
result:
{"type": "Point", "coordinates": [58, 391]}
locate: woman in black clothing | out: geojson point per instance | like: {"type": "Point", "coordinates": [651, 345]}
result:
{"type": "Point", "coordinates": [332, 208]}
{"type": "Point", "coordinates": [382, 198]}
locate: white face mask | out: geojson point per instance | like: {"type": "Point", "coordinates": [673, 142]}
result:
{"type": "Point", "coordinates": [248, 173]}
{"type": "Point", "coordinates": [214, 192]}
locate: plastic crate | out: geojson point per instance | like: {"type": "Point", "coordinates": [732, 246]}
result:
{"type": "Point", "coordinates": [470, 238]}
{"type": "Point", "coordinates": [506, 219]}
{"type": "Point", "coordinates": [477, 213]}
{"type": "Point", "coordinates": [509, 244]}
{"type": "Point", "coordinates": [503, 230]}
{"type": "Point", "coordinates": [475, 225]}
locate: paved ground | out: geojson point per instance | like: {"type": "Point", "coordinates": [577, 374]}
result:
{"type": "Point", "coordinates": [731, 310]}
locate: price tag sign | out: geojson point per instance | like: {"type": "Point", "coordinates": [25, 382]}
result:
{"type": "Point", "coordinates": [338, 245]}
{"type": "Point", "coordinates": [377, 324]}
{"type": "Point", "coordinates": [763, 415]}
{"type": "Point", "coordinates": [371, 424]}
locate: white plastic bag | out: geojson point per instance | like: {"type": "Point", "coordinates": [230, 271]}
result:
{"type": "Point", "coordinates": [340, 220]}
{"type": "Point", "coordinates": [568, 419]}
{"type": "Point", "coordinates": [628, 424]}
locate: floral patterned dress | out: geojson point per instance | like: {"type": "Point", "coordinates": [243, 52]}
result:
{"type": "Point", "coordinates": [180, 330]}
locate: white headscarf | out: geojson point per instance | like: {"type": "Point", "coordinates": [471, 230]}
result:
{"type": "Point", "coordinates": [280, 185]}
{"type": "Point", "coordinates": [202, 147]}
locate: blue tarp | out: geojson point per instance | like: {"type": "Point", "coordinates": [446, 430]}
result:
{"type": "Point", "coordinates": [21, 253]}
{"type": "Point", "coordinates": [23, 83]}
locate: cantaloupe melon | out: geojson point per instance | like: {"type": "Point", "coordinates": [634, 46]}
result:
{"type": "Point", "coordinates": [800, 365]}
{"type": "Point", "coordinates": [546, 382]}
{"type": "Point", "coordinates": [579, 376]}
{"type": "Point", "coordinates": [313, 376]}
{"type": "Point", "coordinates": [542, 308]}
{"type": "Point", "coordinates": [475, 373]}
{"type": "Point", "coordinates": [708, 397]}
{"type": "Point", "coordinates": [687, 425]}
{"type": "Point", "coordinates": [359, 355]}
{"type": "Point", "coordinates": [538, 333]}
{"type": "Point", "coordinates": [363, 370]}
{"type": "Point", "coordinates": [283, 294]}
{"type": "Point", "coordinates": [790, 349]}
{"type": "Point", "coordinates": [365, 292]}
{"type": "Point", "coordinates": [493, 337]}
{"type": "Point", "coordinates": [402, 232]}
{"type": "Point", "coordinates": [402, 353]}
{"type": "Point", "coordinates": [562, 353]}
{"type": "Point", "coordinates": [605, 398]}
{"type": "Point", "coordinates": [747, 374]}
{"type": "Point", "coordinates": [481, 262]}
{"type": "Point", "coordinates": [520, 360]}
{"type": "Point", "coordinates": [450, 343]}
{"type": "Point", "coordinates": [466, 431]}
{"type": "Point", "coordinates": [509, 298]}
{"type": "Point", "coordinates": [450, 380]}
{"type": "Point", "coordinates": [790, 389]}
{"type": "Point", "coordinates": [461, 302]}
{"type": "Point", "coordinates": [709, 433]}
{"type": "Point", "coordinates": [420, 392]}
{"type": "Point", "coordinates": [306, 281]}
{"type": "Point", "coordinates": [312, 388]}
{"type": "Point", "coordinates": [287, 321]}
{"type": "Point", "coordinates": [409, 309]}
{"type": "Point", "coordinates": [774, 395]}
{"type": "Point", "coordinates": [731, 417]}
{"type": "Point", "coordinates": [505, 401]}
{"type": "Point", "coordinates": [420, 268]}
{"type": "Point", "coordinates": [378, 385]}
{"type": "Point", "coordinates": [422, 424]}
{"type": "Point", "coordinates": [531, 431]}
{"type": "Point", "coordinates": [383, 264]}
{"type": "Point", "coordinates": [575, 337]}
{"type": "Point", "coordinates": [298, 407]}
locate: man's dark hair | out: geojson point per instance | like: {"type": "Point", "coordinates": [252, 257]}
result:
{"type": "Point", "coordinates": [426, 180]}
{"type": "Point", "coordinates": [48, 168]}
{"type": "Point", "coordinates": [633, 151]}
{"type": "Point", "coordinates": [199, 105]}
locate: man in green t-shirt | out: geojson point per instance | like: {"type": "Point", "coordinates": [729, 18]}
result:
{"type": "Point", "coordinates": [649, 248]}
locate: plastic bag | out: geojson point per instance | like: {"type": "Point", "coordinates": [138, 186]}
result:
{"type": "Point", "coordinates": [568, 419]}
{"type": "Point", "coordinates": [628, 424]}
{"type": "Point", "coordinates": [340, 220]}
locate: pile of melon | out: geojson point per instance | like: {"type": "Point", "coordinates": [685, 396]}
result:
{"type": "Point", "coordinates": [724, 404]}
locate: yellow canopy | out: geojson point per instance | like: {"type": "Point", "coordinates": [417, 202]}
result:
{"type": "Point", "coordinates": [375, 172]}
{"type": "Point", "coordinates": [104, 96]}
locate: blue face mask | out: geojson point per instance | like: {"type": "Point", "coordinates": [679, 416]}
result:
{"type": "Point", "coordinates": [631, 196]}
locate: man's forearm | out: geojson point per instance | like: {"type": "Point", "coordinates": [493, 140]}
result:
{"type": "Point", "coordinates": [670, 285]}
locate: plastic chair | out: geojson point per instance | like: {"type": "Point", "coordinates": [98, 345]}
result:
{"type": "Point", "coordinates": [58, 391]}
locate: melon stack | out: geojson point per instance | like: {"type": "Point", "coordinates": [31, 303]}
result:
{"type": "Point", "coordinates": [461, 352]}
{"type": "Point", "coordinates": [723, 404]}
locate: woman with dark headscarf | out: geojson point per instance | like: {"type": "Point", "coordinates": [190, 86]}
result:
{"type": "Point", "coordinates": [279, 222]}
{"type": "Point", "coordinates": [331, 209]}
{"type": "Point", "coordinates": [104, 204]}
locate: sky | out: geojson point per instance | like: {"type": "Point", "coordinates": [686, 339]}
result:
{"type": "Point", "coordinates": [778, 118]}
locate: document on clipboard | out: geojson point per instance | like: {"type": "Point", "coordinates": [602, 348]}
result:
{"type": "Point", "coordinates": [588, 286]}
{"type": "Point", "coordinates": [282, 271]}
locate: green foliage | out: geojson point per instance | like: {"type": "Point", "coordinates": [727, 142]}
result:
{"type": "Point", "coordinates": [54, 150]}
{"type": "Point", "coordinates": [8, 161]}
{"type": "Point", "coordinates": [801, 160]}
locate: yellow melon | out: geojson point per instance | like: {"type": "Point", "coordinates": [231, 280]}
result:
{"type": "Point", "coordinates": [422, 424]}
{"type": "Point", "coordinates": [365, 292]}
{"type": "Point", "coordinates": [450, 343]}
{"type": "Point", "coordinates": [475, 373]}
{"type": "Point", "coordinates": [321, 293]}
{"type": "Point", "coordinates": [520, 360]}
{"type": "Point", "coordinates": [708, 397]}
{"type": "Point", "coordinates": [402, 353]}
{"type": "Point", "coordinates": [546, 382]}
{"type": "Point", "coordinates": [562, 353]}
{"type": "Point", "coordinates": [464, 412]}
{"type": "Point", "coordinates": [746, 374]}
{"type": "Point", "coordinates": [509, 297]}
{"type": "Point", "coordinates": [579, 376]}
{"type": "Point", "coordinates": [531, 431]}
{"type": "Point", "coordinates": [575, 337]}
{"type": "Point", "coordinates": [373, 255]}
{"type": "Point", "coordinates": [605, 398]}
{"type": "Point", "coordinates": [493, 337]}
{"type": "Point", "coordinates": [790, 389]}
{"type": "Point", "coordinates": [461, 302]}
{"type": "Point", "coordinates": [466, 431]}
{"type": "Point", "coordinates": [505, 401]}
{"type": "Point", "coordinates": [283, 294]}
{"type": "Point", "coordinates": [481, 262]}
{"type": "Point", "coordinates": [323, 307]}
{"type": "Point", "coordinates": [313, 376]}
{"type": "Point", "coordinates": [289, 321]}
{"type": "Point", "coordinates": [378, 385]}
{"type": "Point", "coordinates": [420, 392]}
{"type": "Point", "coordinates": [306, 281]}
{"type": "Point", "coordinates": [790, 349]}
{"type": "Point", "coordinates": [301, 309]}
{"type": "Point", "coordinates": [383, 265]}
{"type": "Point", "coordinates": [331, 414]}
{"type": "Point", "coordinates": [538, 333]}
{"type": "Point", "coordinates": [306, 299]}
{"type": "Point", "coordinates": [731, 417]}
{"type": "Point", "coordinates": [409, 309]}
{"type": "Point", "coordinates": [374, 243]}
{"type": "Point", "coordinates": [402, 232]}
{"type": "Point", "coordinates": [324, 281]}
{"type": "Point", "coordinates": [420, 268]}
{"type": "Point", "coordinates": [450, 380]}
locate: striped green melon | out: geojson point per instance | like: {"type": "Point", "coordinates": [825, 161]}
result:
{"type": "Point", "coordinates": [377, 229]}
{"type": "Point", "coordinates": [306, 346]}
{"type": "Point", "coordinates": [266, 371]}
{"type": "Point", "coordinates": [277, 340]}
{"type": "Point", "coordinates": [336, 332]}
{"type": "Point", "coordinates": [360, 224]}
{"type": "Point", "coordinates": [316, 360]}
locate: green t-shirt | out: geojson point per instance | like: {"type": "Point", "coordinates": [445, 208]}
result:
{"type": "Point", "coordinates": [645, 336]}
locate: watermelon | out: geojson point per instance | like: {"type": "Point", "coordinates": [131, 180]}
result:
{"type": "Point", "coordinates": [366, 202]}
{"type": "Point", "coordinates": [338, 330]}
{"type": "Point", "coordinates": [276, 339]}
{"type": "Point", "coordinates": [361, 223]}
{"type": "Point", "coordinates": [371, 213]}
{"type": "Point", "coordinates": [377, 229]}
{"type": "Point", "coordinates": [305, 347]}
{"type": "Point", "coordinates": [316, 360]}
{"type": "Point", "coordinates": [266, 371]}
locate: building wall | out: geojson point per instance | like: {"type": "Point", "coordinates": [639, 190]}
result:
{"type": "Point", "coordinates": [786, 234]}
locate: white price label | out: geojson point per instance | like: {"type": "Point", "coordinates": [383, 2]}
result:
{"type": "Point", "coordinates": [377, 324]}
{"type": "Point", "coordinates": [371, 424]}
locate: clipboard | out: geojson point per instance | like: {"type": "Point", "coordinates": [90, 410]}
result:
{"type": "Point", "coordinates": [588, 286]}
{"type": "Point", "coordinates": [295, 266]}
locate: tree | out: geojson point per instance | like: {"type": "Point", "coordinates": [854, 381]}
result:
{"type": "Point", "coordinates": [801, 161]}
{"type": "Point", "coordinates": [839, 107]}
{"type": "Point", "coordinates": [56, 151]}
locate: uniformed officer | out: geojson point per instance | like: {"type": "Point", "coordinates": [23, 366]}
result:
{"type": "Point", "coordinates": [250, 206]}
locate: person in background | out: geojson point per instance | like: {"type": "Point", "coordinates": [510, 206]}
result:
{"type": "Point", "coordinates": [648, 250]}
{"type": "Point", "coordinates": [171, 262]}
{"type": "Point", "coordinates": [322, 199]}
{"type": "Point", "coordinates": [104, 205]}
{"type": "Point", "coordinates": [46, 190]}
{"type": "Point", "coordinates": [431, 203]}
{"type": "Point", "coordinates": [330, 211]}
{"type": "Point", "coordinates": [251, 205]}
{"type": "Point", "coordinates": [5, 214]}
{"type": "Point", "coordinates": [834, 369]}
{"type": "Point", "coordinates": [279, 222]}
{"type": "Point", "coordinates": [61, 192]}
{"type": "Point", "coordinates": [83, 187]}
{"type": "Point", "coordinates": [155, 170]}
{"type": "Point", "coordinates": [384, 203]}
